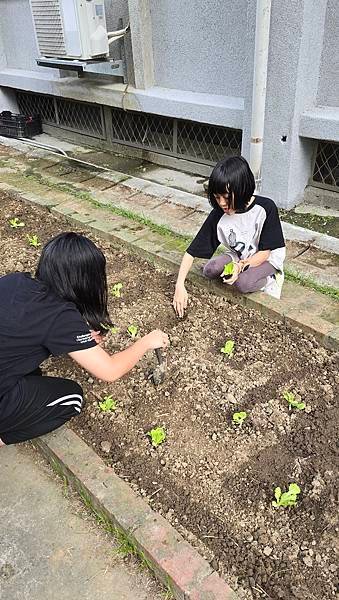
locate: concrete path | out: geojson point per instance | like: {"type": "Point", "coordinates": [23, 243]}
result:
{"type": "Point", "coordinates": [50, 547]}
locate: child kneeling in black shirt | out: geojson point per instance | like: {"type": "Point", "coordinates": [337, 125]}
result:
{"type": "Point", "coordinates": [63, 310]}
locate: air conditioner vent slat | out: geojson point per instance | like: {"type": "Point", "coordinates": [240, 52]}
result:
{"type": "Point", "coordinates": [49, 27]}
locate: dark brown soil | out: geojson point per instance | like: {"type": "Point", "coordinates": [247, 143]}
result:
{"type": "Point", "coordinates": [213, 480]}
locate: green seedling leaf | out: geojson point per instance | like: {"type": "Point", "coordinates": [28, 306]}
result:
{"type": "Point", "coordinates": [293, 401]}
{"type": "Point", "coordinates": [239, 417]}
{"type": "Point", "coordinates": [15, 223]}
{"type": "Point", "coordinates": [228, 348]}
{"type": "Point", "coordinates": [228, 270]}
{"type": "Point", "coordinates": [116, 290]}
{"type": "Point", "coordinates": [157, 435]}
{"type": "Point", "coordinates": [288, 498]}
{"type": "Point", "coordinates": [33, 241]}
{"type": "Point", "coordinates": [111, 328]}
{"type": "Point", "coordinates": [108, 404]}
{"type": "Point", "coordinates": [132, 330]}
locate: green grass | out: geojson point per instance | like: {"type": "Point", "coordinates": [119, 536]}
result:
{"type": "Point", "coordinates": [322, 224]}
{"type": "Point", "coordinates": [310, 283]}
{"type": "Point", "coordinates": [180, 242]}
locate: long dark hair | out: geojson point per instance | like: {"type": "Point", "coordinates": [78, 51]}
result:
{"type": "Point", "coordinates": [75, 268]}
{"type": "Point", "coordinates": [234, 177]}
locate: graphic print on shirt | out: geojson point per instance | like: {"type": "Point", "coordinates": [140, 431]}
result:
{"type": "Point", "coordinates": [235, 245]}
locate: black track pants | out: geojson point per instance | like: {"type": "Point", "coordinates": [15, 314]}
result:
{"type": "Point", "coordinates": [37, 405]}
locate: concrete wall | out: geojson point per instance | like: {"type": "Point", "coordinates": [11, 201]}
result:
{"type": "Point", "coordinates": [199, 48]}
{"type": "Point", "coordinates": [328, 92]}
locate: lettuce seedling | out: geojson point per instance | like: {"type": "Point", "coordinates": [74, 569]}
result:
{"type": "Point", "coordinates": [33, 241]}
{"type": "Point", "coordinates": [228, 270]}
{"type": "Point", "coordinates": [288, 498]}
{"type": "Point", "coordinates": [108, 404]}
{"type": "Point", "coordinates": [116, 290]}
{"type": "Point", "coordinates": [239, 417]}
{"type": "Point", "coordinates": [228, 348]}
{"type": "Point", "coordinates": [111, 328]}
{"type": "Point", "coordinates": [293, 401]}
{"type": "Point", "coordinates": [132, 330]}
{"type": "Point", "coordinates": [15, 223]}
{"type": "Point", "coordinates": [157, 435]}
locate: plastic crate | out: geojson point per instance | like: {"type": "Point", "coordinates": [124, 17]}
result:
{"type": "Point", "coordinates": [19, 126]}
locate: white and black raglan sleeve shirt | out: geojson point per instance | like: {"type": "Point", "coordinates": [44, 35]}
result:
{"type": "Point", "coordinates": [206, 241]}
{"type": "Point", "coordinates": [242, 234]}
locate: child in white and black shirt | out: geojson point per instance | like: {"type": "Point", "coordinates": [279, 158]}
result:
{"type": "Point", "coordinates": [248, 226]}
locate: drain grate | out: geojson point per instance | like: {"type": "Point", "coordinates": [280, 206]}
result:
{"type": "Point", "coordinates": [193, 141]}
{"type": "Point", "coordinates": [326, 166]}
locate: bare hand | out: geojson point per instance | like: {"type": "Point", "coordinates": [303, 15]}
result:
{"type": "Point", "coordinates": [236, 272]}
{"type": "Point", "coordinates": [156, 339]}
{"type": "Point", "coordinates": [97, 336]}
{"type": "Point", "coordinates": [180, 300]}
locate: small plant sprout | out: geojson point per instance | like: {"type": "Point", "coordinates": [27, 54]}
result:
{"type": "Point", "coordinates": [239, 417]}
{"type": "Point", "coordinates": [15, 223]}
{"type": "Point", "coordinates": [116, 290]}
{"type": "Point", "coordinates": [132, 330]}
{"type": "Point", "coordinates": [228, 348]}
{"type": "Point", "coordinates": [157, 435]}
{"type": "Point", "coordinates": [228, 270]}
{"type": "Point", "coordinates": [111, 328]}
{"type": "Point", "coordinates": [108, 404]}
{"type": "Point", "coordinates": [294, 401]}
{"type": "Point", "coordinates": [33, 240]}
{"type": "Point", "coordinates": [288, 498]}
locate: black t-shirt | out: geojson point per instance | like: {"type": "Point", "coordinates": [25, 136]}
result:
{"type": "Point", "coordinates": [243, 234]}
{"type": "Point", "coordinates": [34, 324]}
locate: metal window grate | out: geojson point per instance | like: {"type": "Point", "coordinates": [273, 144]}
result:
{"type": "Point", "coordinates": [143, 130]}
{"type": "Point", "coordinates": [80, 116]}
{"type": "Point", "coordinates": [207, 142]}
{"type": "Point", "coordinates": [326, 166]}
{"type": "Point", "coordinates": [34, 104]}
{"type": "Point", "coordinates": [193, 141]}
{"type": "Point", "coordinates": [196, 142]}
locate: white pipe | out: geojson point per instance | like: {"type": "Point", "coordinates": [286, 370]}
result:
{"type": "Point", "coordinates": [262, 38]}
{"type": "Point", "coordinates": [118, 31]}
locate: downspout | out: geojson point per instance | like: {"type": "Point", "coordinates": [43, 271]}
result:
{"type": "Point", "coordinates": [262, 37]}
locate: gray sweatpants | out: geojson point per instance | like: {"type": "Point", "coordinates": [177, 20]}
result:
{"type": "Point", "coordinates": [251, 280]}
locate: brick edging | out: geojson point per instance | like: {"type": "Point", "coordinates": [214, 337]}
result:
{"type": "Point", "coordinates": [173, 560]}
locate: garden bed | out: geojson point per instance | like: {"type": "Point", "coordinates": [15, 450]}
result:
{"type": "Point", "coordinates": [212, 479]}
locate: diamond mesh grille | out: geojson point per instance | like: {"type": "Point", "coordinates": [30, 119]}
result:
{"type": "Point", "coordinates": [326, 166]}
{"type": "Point", "coordinates": [140, 129]}
{"type": "Point", "coordinates": [186, 139]}
{"type": "Point", "coordinates": [34, 104]}
{"type": "Point", "coordinates": [207, 142]}
{"type": "Point", "coordinates": [197, 142]}
{"type": "Point", "coordinates": [85, 118]}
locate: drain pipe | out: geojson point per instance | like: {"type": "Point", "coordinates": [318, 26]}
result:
{"type": "Point", "coordinates": [262, 37]}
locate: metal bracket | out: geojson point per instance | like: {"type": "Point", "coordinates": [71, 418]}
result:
{"type": "Point", "coordinates": [115, 68]}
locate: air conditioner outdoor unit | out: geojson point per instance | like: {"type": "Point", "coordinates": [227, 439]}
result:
{"type": "Point", "coordinates": [70, 29]}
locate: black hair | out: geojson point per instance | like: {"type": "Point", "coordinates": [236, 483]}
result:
{"type": "Point", "coordinates": [73, 267]}
{"type": "Point", "coordinates": [232, 176]}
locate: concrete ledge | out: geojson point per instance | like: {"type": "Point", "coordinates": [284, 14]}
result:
{"type": "Point", "coordinates": [175, 562]}
{"type": "Point", "coordinates": [320, 123]}
{"type": "Point", "coordinates": [206, 108]}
